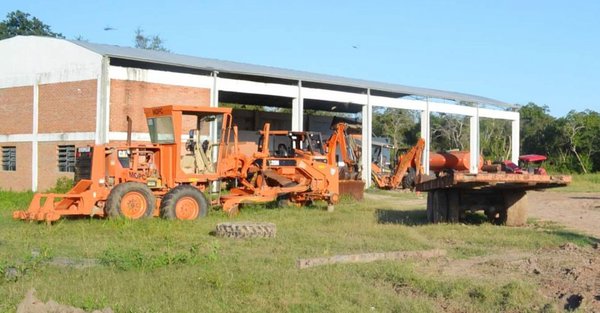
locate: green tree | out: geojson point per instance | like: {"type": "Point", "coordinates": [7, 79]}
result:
{"type": "Point", "coordinates": [398, 125]}
{"type": "Point", "coordinates": [449, 132]}
{"type": "Point", "coordinates": [495, 139]}
{"type": "Point", "coordinates": [535, 122]}
{"type": "Point", "coordinates": [152, 42]}
{"type": "Point", "coordinates": [21, 23]}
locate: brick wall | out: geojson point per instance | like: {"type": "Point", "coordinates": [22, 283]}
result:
{"type": "Point", "coordinates": [130, 97]}
{"type": "Point", "coordinates": [48, 171]}
{"type": "Point", "coordinates": [16, 110]}
{"type": "Point", "coordinates": [68, 107]}
{"type": "Point", "coordinates": [20, 179]}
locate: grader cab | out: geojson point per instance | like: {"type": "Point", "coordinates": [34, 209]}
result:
{"type": "Point", "coordinates": [165, 178]}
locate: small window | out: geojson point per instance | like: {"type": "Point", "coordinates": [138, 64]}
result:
{"type": "Point", "coordinates": [9, 158]}
{"type": "Point", "coordinates": [66, 158]}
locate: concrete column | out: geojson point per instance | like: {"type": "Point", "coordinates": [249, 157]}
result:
{"type": "Point", "coordinates": [426, 135]}
{"type": "Point", "coordinates": [214, 99]}
{"type": "Point", "coordinates": [298, 110]}
{"type": "Point", "coordinates": [34, 132]}
{"type": "Point", "coordinates": [474, 142]}
{"type": "Point", "coordinates": [102, 104]}
{"type": "Point", "coordinates": [516, 139]}
{"type": "Point", "coordinates": [366, 142]}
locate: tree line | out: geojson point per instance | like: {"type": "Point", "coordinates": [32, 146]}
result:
{"type": "Point", "coordinates": [571, 142]}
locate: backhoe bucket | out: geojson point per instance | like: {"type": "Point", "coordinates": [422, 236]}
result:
{"type": "Point", "coordinates": [80, 200]}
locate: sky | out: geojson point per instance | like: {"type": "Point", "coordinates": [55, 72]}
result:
{"type": "Point", "coordinates": [516, 51]}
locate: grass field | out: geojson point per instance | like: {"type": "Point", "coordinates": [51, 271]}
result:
{"type": "Point", "coordinates": [583, 183]}
{"type": "Point", "coordinates": [156, 265]}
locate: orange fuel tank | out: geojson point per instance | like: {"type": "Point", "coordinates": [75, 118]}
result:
{"type": "Point", "coordinates": [455, 160]}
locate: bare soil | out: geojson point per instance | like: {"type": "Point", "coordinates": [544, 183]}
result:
{"type": "Point", "coordinates": [576, 211]}
{"type": "Point", "coordinates": [568, 276]}
{"type": "Point", "coordinates": [31, 304]}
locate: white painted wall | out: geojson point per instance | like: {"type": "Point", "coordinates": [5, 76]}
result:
{"type": "Point", "coordinates": [26, 58]}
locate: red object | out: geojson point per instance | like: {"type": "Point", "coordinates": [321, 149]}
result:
{"type": "Point", "coordinates": [512, 167]}
{"type": "Point", "coordinates": [533, 158]}
{"type": "Point", "coordinates": [454, 160]}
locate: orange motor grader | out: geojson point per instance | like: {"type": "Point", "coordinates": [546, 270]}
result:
{"type": "Point", "coordinates": [166, 178]}
{"type": "Point", "coordinates": [290, 166]}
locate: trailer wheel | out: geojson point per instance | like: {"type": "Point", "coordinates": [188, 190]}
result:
{"type": "Point", "coordinates": [430, 206]}
{"type": "Point", "coordinates": [453, 206]}
{"type": "Point", "coordinates": [437, 206]}
{"type": "Point", "coordinates": [408, 181]}
{"type": "Point", "coordinates": [515, 208]}
{"type": "Point", "coordinates": [440, 206]}
{"type": "Point", "coordinates": [131, 200]}
{"type": "Point", "coordinates": [184, 202]}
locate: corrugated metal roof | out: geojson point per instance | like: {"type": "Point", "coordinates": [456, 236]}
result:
{"type": "Point", "coordinates": [167, 58]}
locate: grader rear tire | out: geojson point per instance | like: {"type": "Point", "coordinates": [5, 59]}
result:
{"type": "Point", "coordinates": [131, 200]}
{"type": "Point", "coordinates": [184, 202]}
{"type": "Point", "coordinates": [246, 230]}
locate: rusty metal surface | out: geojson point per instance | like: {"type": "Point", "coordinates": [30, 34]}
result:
{"type": "Point", "coordinates": [495, 180]}
{"type": "Point", "coordinates": [354, 188]}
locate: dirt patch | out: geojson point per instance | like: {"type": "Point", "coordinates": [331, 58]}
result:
{"type": "Point", "coordinates": [568, 275]}
{"type": "Point", "coordinates": [576, 211]}
{"type": "Point", "coordinates": [31, 304]}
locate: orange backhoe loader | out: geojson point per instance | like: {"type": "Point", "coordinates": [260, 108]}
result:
{"type": "Point", "coordinates": [289, 166]}
{"type": "Point", "coordinates": [165, 178]}
{"type": "Point", "coordinates": [408, 167]}
{"type": "Point", "coordinates": [403, 175]}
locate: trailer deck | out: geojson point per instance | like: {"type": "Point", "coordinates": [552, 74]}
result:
{"type": "Point", "coordinates": [501, 196]}
{"type": "Point", "coordinates": [494, 181]}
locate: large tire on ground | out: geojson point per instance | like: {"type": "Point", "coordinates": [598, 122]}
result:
{"type": "Point", "coordinates": [184, 202]}
{"type": "Point", "coordinates": [246, 230]}
{"type": "Point", "coordinates": [515, 210]}
{"type": "Point", "coordinates": [131, 200]}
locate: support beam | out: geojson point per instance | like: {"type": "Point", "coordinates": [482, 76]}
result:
{"type": "Point", "coordinates": [366, 142]}
{"type": "Point", "coordinates": [426, 135]}
{"type": "Point", "coordinates": [516, 139]}
{"type": "Point", "coordinates": [298, 110]}
{"type": "Point", "coordinates": [34, 135]}
{"type": "Point", "coordinates": [102, 104]}
{"type": "Point", "coordinates": [474, 143]}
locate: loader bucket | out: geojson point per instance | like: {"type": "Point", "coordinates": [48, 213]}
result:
{"type": "Point", "coordinates": [80, 200]}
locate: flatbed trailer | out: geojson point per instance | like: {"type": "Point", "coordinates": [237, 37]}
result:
{"type": "Point", "coordinates": [502, 196]}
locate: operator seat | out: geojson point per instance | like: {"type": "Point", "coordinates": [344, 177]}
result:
{"type": "Point", "coordinates": [198, 157]}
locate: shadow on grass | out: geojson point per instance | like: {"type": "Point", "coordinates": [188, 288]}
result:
{"type": "Point", "coordinates": [577, 238]}
{"type": "Point", "coordinates": [419, 217]}
{"type": "Point", "coordinates": [585, 198]}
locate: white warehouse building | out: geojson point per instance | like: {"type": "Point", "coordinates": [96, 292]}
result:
{"type": "Point", "coordinates": [56, 94]}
